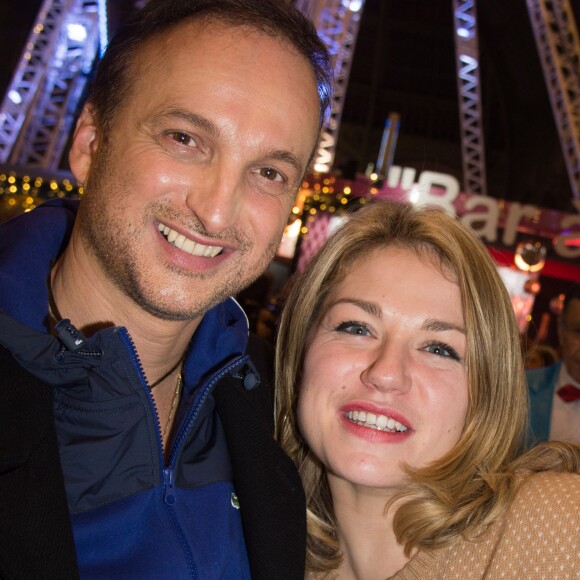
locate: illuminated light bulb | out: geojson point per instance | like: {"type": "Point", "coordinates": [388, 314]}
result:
{"type": "Point", "coordinates": [530, 256]}
{"type": "Point", "coordinates": [353, 5]}
{"type": "Point", "coordinates": [76, 32]}
{"type": "Point", "coordinates": [15, 97]}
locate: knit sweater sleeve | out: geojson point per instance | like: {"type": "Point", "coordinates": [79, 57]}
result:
{"type": "Point", "coordinates": [538, 537]}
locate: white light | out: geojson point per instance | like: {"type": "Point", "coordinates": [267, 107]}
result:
{"type": "Point", "coordinates": [15, 97]}
{"type": "Point", "coordinates": [353, 5]}
{"type": "Point", "coordinates": [76, 32]}
{"type": "Point", "coordinates": [103, 27]}
{"type": "Point", "coordinates": [414, 194]}
{"type": "Point", "coordinates": [463, 32]}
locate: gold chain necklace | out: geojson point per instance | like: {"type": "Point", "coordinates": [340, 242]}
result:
{"type": "Point", "coordinates": [170, 371]}
{"type": "Point", "coordinates": [174, 402]}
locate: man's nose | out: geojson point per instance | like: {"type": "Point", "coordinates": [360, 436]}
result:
{"type": "Point", "coordinates": [217, 198]}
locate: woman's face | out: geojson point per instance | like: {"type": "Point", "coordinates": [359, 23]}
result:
{"type": "Point", "coordinates": [385, 380]}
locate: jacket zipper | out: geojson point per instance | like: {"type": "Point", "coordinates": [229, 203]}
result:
{"type": "Point", "coordinates": [194, 412]}
{"type": "Point", "coordinates": [134, 357]}
{"type": "Point", "coordinates": [168, 472]}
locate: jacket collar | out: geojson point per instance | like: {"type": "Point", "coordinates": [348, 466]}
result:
{"type": "Point", "coordinates": [29, 243]}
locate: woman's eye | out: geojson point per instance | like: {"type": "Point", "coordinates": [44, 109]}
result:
{"type": "Point", "coordinates": [356, 328]}
{"type": "Point", "coordinates": [183, 139]}
{"type": "Point", "coordinates": [270, 174]}
{"type": "Point", "coordinates": [443, 350]}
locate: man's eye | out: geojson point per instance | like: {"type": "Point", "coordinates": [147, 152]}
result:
{"type": "Point", "coordinates": [183, 139]}
{"type": "Point", "coordinates": [356, 328]}
{"type": "Point", "coordinates": [443, 350]}
{"type": "Point", "coordinates": [270, 174]}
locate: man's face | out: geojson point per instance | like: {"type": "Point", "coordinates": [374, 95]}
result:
{"type": "Point", "coordinates": [569, 334]}
{"type": "Point", "coordinates": [187, 197]}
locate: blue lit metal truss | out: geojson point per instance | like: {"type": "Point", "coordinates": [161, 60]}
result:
{"type": "Point", "coordinates": [37, 113]}
{"type": "Point", "coordinates": [556, 37]}
{"type": "Point", "coordinates": [337, 22]}
{"type": "Point", "coordinates": [470, 115]}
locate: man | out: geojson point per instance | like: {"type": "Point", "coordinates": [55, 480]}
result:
{"type": "Point", "coordinates": [136, 432]}
{"type": "Point", "coordinates": [555, 390]}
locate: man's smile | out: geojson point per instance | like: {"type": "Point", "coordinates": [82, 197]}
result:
{"type": "Point", "coordinates": [187, 245]}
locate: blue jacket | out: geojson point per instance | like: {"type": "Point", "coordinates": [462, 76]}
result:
{"type": "Point", "coordinates": [541, 386]}
{"type": "Point", "coordinates": [132, 516]}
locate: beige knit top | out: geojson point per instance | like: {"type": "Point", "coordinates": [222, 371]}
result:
{"type": "Point", "coordinates": [539, 537]}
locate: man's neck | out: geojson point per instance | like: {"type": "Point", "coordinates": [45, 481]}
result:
{"type": "Point", "coordinates": [84, 294]}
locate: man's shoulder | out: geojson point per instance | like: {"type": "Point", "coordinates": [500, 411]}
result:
{"type": "Point", "coordinates": [262, 353]}
{"type": "Point", "coordinates": [543, 378]}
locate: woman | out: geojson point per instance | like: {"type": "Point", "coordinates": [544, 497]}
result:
{"type": "Point", "coordinates": [401, 398]}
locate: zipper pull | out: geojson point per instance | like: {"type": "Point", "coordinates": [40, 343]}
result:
{"type": "Point", "coordinates": [70, 336]}
{"type": "Point", "coordinates": [169, 496]}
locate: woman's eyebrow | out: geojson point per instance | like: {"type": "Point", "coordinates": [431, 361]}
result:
{"type": "Point", "coordinates": [441, 326]}
{"type": "Point", "coordinates": [371, 308]}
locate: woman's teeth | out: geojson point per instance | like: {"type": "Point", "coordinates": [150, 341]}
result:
{"type": "Point", "coordinates": [378, 422]}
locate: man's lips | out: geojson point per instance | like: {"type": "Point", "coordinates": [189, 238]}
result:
{"type": "Point", "coordinates": [187, 245]}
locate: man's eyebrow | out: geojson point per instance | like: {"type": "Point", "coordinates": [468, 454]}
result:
{"type": "Point", "coordinates": [441, 326]}
{"type": "Point", "coordinates": [289, 158]}
{"type": "Point", "coordinates": [209, 127]}
{"type": "Point", "coordinates": [191, 118]}
{"type": "Point", "coordinates": [369, 307]}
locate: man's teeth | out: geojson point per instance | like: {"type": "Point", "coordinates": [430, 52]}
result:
{"type": "Point", "coordinates": [378, 422]}
{"type": "Point", "coordinates": [187, 245]}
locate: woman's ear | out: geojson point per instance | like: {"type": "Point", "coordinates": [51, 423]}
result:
{"type": "Point", "coordinates": [84, 145]}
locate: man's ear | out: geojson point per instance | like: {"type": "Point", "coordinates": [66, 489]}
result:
{"type": "Point", "coordinates": [84, 145]}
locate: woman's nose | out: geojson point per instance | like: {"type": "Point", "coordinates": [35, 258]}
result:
{"type": "Point", "coordinates": [387, 369]}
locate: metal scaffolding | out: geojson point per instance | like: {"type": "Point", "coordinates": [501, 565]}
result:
{"type": "Point", "coordinates": [38, 110]}
{"type": "Point", "coordinates": [337, 22]}
{"type": "Point", "coordinates": [469, 96]}
{"type": "Point", "coordinates": [556, 38]}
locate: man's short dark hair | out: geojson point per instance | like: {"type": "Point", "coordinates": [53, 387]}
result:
{"type": "Point", "coordinates": [277, 18]}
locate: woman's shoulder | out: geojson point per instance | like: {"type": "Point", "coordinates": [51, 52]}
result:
{"type": "Point", "coordinates": [548, 498]}
{"type": "Point", "coordinates": [557, 490]}
{"type": "Point", "coordinates": [538, 536]}
{"type": "Point", "coordinates": [546, 511]}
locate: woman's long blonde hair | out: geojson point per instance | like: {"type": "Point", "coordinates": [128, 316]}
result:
{"type": "Point", "coordinates": [465, 490]}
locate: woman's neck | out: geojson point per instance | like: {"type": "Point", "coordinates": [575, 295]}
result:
{"type": "Point", "coordinates": [368, 543]}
